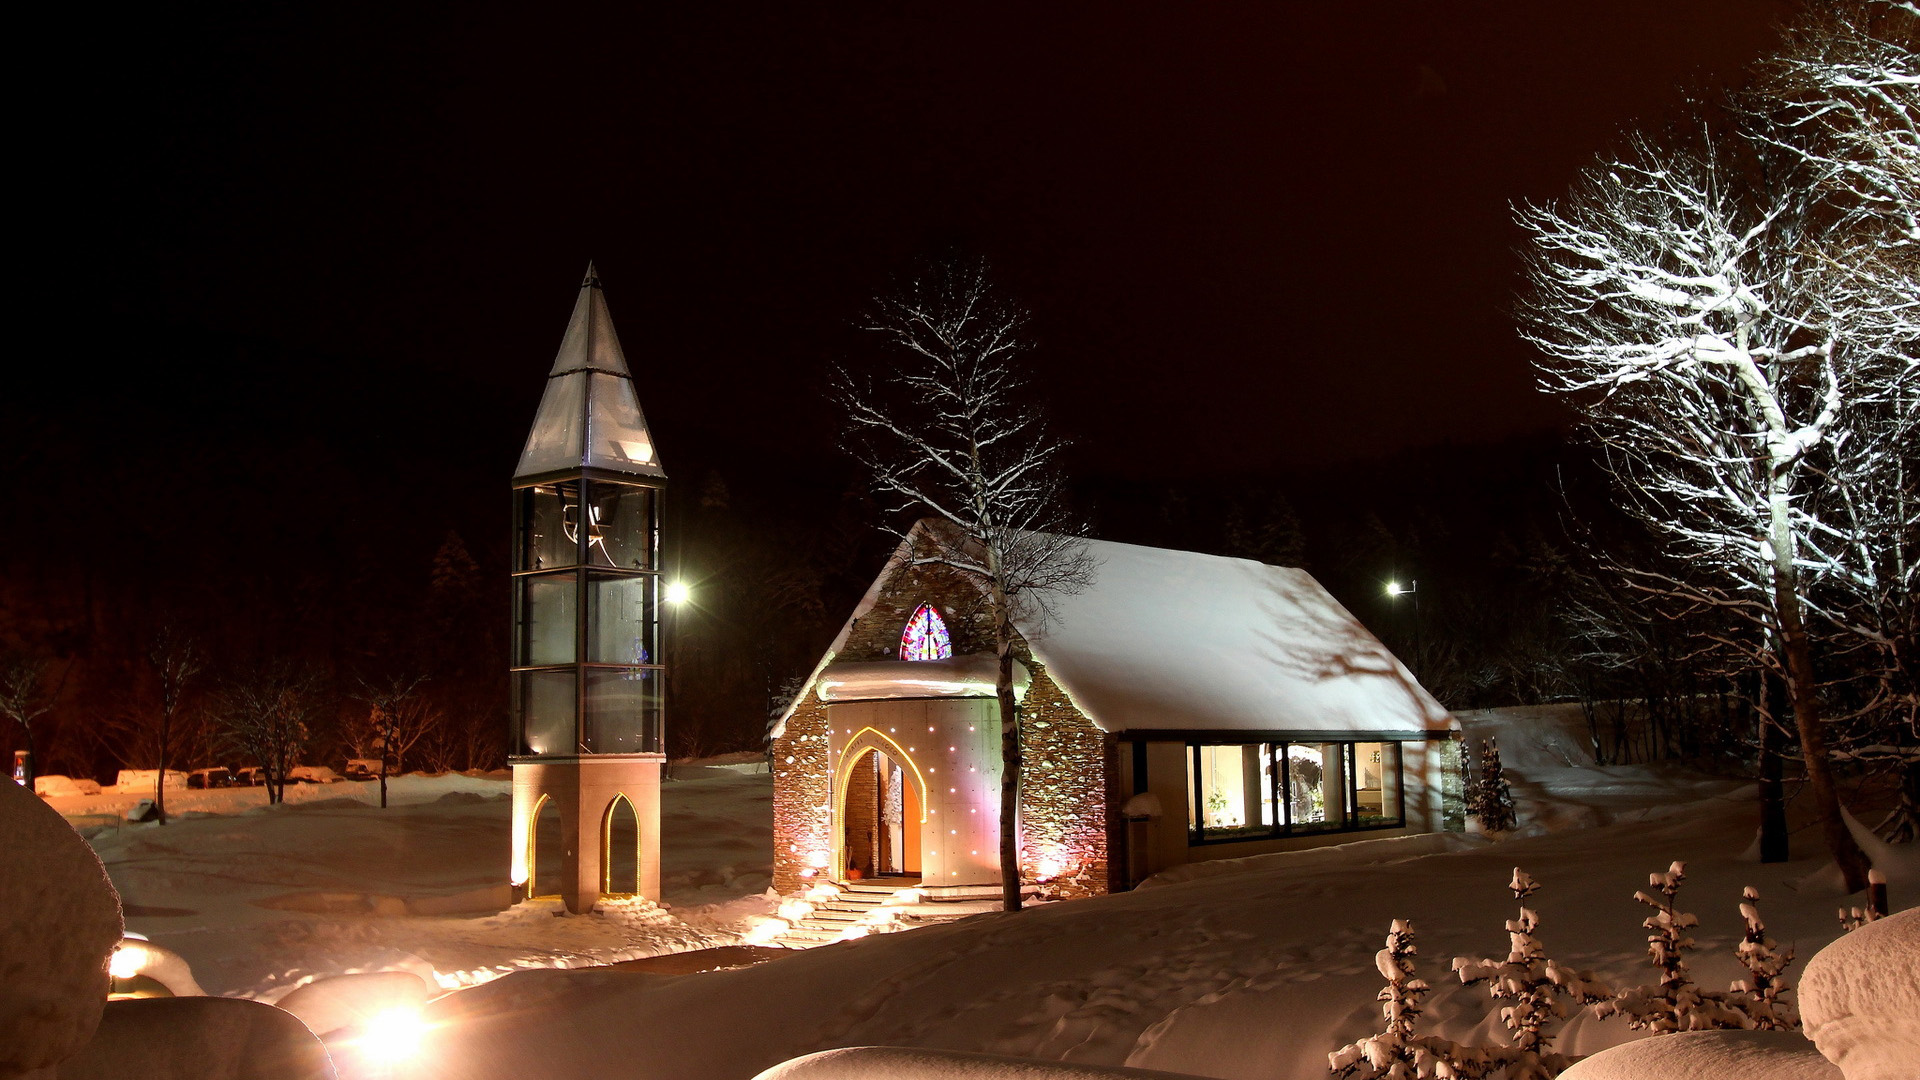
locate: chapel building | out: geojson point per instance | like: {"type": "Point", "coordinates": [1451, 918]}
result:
{"type": "Point", "coordinates": [1182, 707]}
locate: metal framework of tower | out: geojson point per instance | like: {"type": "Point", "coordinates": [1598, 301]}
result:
{"type": "Point", "coordinates": [588, 678]}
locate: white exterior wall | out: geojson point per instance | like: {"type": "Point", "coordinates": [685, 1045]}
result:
{"type": "Point", "coordinates": [951, 748]}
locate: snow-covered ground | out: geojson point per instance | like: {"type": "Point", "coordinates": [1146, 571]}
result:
{"type": "Point", "coordinates": [1250, 968]}
{"type": "Point", "coordinates": [259, 898]}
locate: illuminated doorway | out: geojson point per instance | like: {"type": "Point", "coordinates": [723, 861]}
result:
{"type": "Point", "coordinates": [620, 849]}
{"type": "Point", "coordinates": [880, 820]}
{"type": "Point", "coordinates": [545, 851]}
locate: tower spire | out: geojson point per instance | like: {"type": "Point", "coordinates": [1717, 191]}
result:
{"type": "Point", "coordinates": [590, 416]}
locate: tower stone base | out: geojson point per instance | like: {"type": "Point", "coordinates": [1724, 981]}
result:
{"type": "Point", "coordinates": [586, 790]}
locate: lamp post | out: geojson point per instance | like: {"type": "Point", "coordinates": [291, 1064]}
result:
{"type": "Point", "coordinates": [1396, 590]}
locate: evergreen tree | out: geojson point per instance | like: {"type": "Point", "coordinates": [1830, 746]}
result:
{"type": "Point", "coordinates": [1535, 985]}
{"type": "Point", "coordinates": [1493, 805]}
{"type": "Point", "coordinates": [1675, 1003]}
{"type": "Point", "coordinates": [1397, 1053]}
{"type": "Point", "coordinates": [1765, 988]}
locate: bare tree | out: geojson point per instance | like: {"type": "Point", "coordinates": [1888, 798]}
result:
{"type": "Point", "coordinates": [398, 716]}
{"type": "Point", "coordinates": [953, 432]}
{"type": "Point", "coordinates": [1684, 298]}
{"type": "Point", "coordinates": [23, 700]}
{"type": "Point", "coordinates": [266, 714]}
{"type": "Point", "coordinates": [1843, 102]}
{"type": "Point", "coordinates": [176, 662]}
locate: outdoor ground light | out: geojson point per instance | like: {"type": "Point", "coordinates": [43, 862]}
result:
{"type": "Point", "coordinates": [392, 1035]}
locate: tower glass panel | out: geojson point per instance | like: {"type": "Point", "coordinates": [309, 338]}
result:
{"type": "Point", "coordinates": [545, 702]}
{"type": "Point", "coordinates": [622, 714]}
{"type": "Point", "coordinates": [623, 526]}
{"type": "Point", "coordinates": [548, 623]}
{"type": "Point", "coordinates": [547, 514]}
{"type": "Point", "coordinates": [622, 619]}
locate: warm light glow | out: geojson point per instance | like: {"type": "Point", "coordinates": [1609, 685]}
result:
{"type": "Point", "coordinates": [637, 451]}
{"type": "Point", "coordinates": [1393, 588]}
{"type": "Point", "coordinates": [392, 1035]}
{"type": "Point", "coordinates": [766, 931]}
{"type": "Point", "coordinates": [678, 593]}
{"type": "Point", "coordinates": [127, 960]}
{"type": "Point", "coordinates": [819, 859]}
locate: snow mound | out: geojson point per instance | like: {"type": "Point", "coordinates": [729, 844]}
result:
{"type": "Point", "coordinates": [339, 1001]}
{"type": "Point", "coordinates": [199, 1038]}
{"type": "Point", "coordinates": [1860, 999]}
{"type": "Point", "coordinates": [59, 920]}
{"type": "Point", "coordinates": [1709, 1055]}
{"type": "Point", "coordinates": [914, 1063]}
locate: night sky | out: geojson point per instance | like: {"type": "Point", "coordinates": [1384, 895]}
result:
{"type": "Point", "coordinates": [1253, 236]}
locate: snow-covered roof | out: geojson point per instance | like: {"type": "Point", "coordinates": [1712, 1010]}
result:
{"type": "Point", "coordinates": [1166, 640]}
{"type": "Point", "coordinates": [1180, 641]}
{"type": "Point", "coordinates": [590, 416]}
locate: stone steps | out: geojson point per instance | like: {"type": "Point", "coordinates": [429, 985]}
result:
{"type": "Point", "coordinates": [832, 919]}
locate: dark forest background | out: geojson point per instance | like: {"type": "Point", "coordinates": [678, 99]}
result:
{"type": "Point", "coordinates": [357, 530]}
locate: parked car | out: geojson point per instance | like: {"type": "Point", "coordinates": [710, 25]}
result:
{"type": "Point", "coordinates": [250, 776]}
{"type": "Point", "coordinates": [313, 774]}
{"type": "Point", "coordinates": [218, 776]}
{"type": "Point", "coordinates": [362, 768]}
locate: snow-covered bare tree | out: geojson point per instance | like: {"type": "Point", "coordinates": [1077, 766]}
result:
{"type": "Point", "coordinates": [266, 714]}
{"type": "Point", "coordinates": [952, 431]}
{"type": "Point", "coordinates": [398, 715]}
{"type": "Point", "coordinates": [176, 662]}
{"type": "Point", "coordinates": [24, 700]}
{"type": "Point", "coordinates": [1682, 299]}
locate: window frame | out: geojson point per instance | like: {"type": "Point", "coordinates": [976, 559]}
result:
{"type": "Point", "coordinates": [1280, 791]}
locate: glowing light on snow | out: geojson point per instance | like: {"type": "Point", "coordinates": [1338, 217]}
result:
{"type": "Point", "coordinates": [393, 1035]}
{"type": "Point", "coordinates": [127, 960]}
{"type": "Point", "coordinates": [765, 932]}
{"type": "Point", "coordinates": [679, 593]}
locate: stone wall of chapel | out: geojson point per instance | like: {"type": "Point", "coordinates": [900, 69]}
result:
{"type": "Point", "coordinates": [802, 798]}
{"type": "Point", "coordinates": [1068, 792]}
{"type": "Point", "coordinates": [1067, 806]}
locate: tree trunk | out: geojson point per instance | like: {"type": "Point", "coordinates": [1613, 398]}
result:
{"type": "Point", "coordinates": [160, 782]}
{"type": "Point", "coordinates": [1803, 692]}
{"type": "Point", "coordinates": [1010, 756]}
{"type": "Point", "coordinates": [383, 782]}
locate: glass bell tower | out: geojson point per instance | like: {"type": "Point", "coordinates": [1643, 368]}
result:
{"type": "Point", "coordinates": [588, 680]}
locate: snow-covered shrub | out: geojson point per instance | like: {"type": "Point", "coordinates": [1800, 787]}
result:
{"type": "Point", "coordinates": [1534, 985]}
{"type": "Point", "coordinates": [1852, 919]}
{"type": "Point", "coordinates": [1762, 995]}
{"type": "Point", "coordinates": [1489, 798]}
{"type": "Point", "coordinates": [1397, 1053]}
{"type": "Point", "coordinates": [1675, 1003]}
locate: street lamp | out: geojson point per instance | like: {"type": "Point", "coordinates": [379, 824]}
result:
{"type": "Point", "coordinates": [679, 593]}
{"type": "Point", "coordinates": [1396, 590]}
